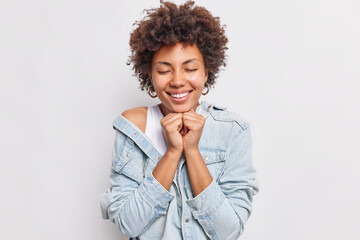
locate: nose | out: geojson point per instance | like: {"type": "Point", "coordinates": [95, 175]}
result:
{"type": "Point", "coordinates": [177, 80]}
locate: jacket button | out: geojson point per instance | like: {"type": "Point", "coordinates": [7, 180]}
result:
{"type": "Point", "coordinates": [128, 154]}
{"type": "Point", "coordinates": [194, 208]}
{"type": "Point", "coordinates": [187, 220]}
{"type": "Point", "coordinates": [135, 134]}
{"type": "Point", "coordinates": [206, 158]}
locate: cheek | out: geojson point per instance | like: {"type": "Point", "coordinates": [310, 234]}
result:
{"type": "Point", "coordinates": [159, 81]}
{"type": "Point", "coordinates": [197, 79]}
{"type": "Point", "coordinates": [197, 82]}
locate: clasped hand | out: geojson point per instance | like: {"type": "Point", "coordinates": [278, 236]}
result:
{"type": "Point", "coordinates": [183, 130]}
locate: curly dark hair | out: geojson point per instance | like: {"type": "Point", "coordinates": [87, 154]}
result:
{"type": "Point", "coordinates": [170, 24]}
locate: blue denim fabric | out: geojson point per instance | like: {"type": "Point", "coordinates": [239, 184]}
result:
{"type": "Point", "coordinates": [141, 207]}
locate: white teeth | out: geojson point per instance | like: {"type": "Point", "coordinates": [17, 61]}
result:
{"type": "Point", "coordinates": [180, 95]}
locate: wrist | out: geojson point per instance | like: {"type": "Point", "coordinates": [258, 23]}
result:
{"type": "Point", "coordinates": [174, 153]}
{"type": "Point", "coordinates": [191, 151]}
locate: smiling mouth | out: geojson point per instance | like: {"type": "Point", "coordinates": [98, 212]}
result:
{"type": "Point", "coordinates": [179, 95]}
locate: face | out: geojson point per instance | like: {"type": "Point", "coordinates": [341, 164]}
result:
{"type": "Point", "coordinates": [178, 75]}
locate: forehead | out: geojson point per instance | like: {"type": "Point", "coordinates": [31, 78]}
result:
{"type": "Point", "coordinates": [177, 53]}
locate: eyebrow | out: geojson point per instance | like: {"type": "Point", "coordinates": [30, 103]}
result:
{"type": "Point", "coordinates": [190, 60]}
{"type": "Point", "coordinates": [186, 62]}
{"type": "Point", "coordinates": [164, 63]}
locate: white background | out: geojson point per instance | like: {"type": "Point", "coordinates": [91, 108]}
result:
{"type": "Point", "coordinates": [293, 72]}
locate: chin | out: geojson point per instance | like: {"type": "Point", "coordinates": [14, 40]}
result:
{"type": "Point", "coordinates": [181, 108]}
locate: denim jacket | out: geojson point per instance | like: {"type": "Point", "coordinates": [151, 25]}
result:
{"type": "Point", "coordinates": [141, 207]}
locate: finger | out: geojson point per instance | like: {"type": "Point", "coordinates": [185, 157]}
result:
{"type": "Point", "coordinates": [184, 130]}
{"type": "Point", "coordinates": [191, 113]}
{"type": "Point", "coordinates": [170, 117]}
{"type": "Point", "coordinates": [173, 123]}
{"type": "Point", "coordinates": [193, 116]}
{"type": "Point", "coordinates": [194, 122]}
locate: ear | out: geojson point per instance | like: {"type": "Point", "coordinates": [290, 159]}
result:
{"type": "Point", "coordinates": [150, 78]}
{"type": "Point", "coordinates": [206, 75]}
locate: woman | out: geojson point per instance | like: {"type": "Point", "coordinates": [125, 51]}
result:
{"type": "Point", "coordinates": [180, 170]}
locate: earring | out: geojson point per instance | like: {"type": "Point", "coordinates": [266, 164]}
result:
{"type": "Point", "coordinates": [207, 88]}
{"type": "Point", "coordinates": [151, 91]}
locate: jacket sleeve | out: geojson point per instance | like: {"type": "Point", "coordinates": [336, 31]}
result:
{"type": "Point", "coordinates": [223, 207]}
{"type": "Point", "coordinates": [132, 202]}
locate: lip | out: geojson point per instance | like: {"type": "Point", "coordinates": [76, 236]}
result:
{"type": "Point", "coordinates": [179, 100]}
{"type": "Point", "coordinates": [178, 92]}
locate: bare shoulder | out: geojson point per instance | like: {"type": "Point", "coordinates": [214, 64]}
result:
{"type": "Point", "coordinates": [137, 116]}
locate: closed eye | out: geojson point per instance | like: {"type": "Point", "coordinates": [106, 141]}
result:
{"type": "Point", "coordinates": [191, 70]}
{"type": "Point", "coordinates": [163, 72]}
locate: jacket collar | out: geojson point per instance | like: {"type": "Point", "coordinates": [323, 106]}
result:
{"type": "Point", "coordinates": [137, 136]}
{"type": "Point", "coordinates": [204, 109]}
